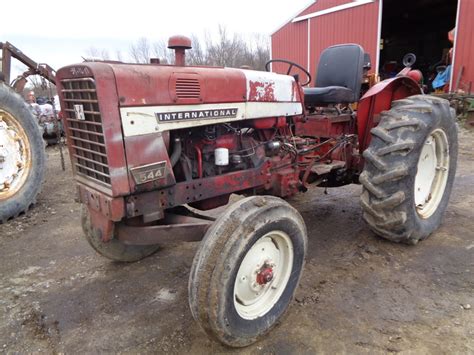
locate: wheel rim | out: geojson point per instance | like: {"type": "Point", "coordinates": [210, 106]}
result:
{"type": "Point", "coordinates": [263, 275]}
{"type": "Point", "coordinates": [432, 173]}
{"type": "Point", "coordinates": [15, 155]}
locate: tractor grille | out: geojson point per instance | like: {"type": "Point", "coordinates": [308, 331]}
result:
{"type": "Point", "coordinates": [188, 88]}
{"type": "Point", "coordinates": [85, 132]}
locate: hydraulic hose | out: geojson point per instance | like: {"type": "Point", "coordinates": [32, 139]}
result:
{"type": "Point", "coordinates": [177, 150]}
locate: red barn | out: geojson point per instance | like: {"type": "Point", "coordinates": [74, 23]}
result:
{"type": "Point", "coordinates": [387, 30]}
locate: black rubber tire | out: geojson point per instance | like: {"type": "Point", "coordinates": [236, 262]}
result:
{"type": "Point", "coordinates": [391, 165]}
{"type": "Point", "coordinates": [114, 249]}
{"type": "Point", "coordinates": [215, 267]}
{"type": "Point", "coordinates": [25, 197]}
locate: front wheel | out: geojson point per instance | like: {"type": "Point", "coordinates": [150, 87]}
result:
{"type": "Point", "coordinates": [114, 249]}
{"type": "Point", "coordinates": [410, 168]}
{"type": "Point", "coordinates": [247, 269]}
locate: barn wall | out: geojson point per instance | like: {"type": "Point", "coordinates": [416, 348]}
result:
{"type": "Point", "coordinates": [464, 52]}
{"type": "Point", "coordinates": [356, 25]}
{"type": "Point", "coordinates": [291, 43]}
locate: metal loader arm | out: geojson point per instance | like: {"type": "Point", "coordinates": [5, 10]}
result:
{"type": "Point", "coordinates": [9, 51]}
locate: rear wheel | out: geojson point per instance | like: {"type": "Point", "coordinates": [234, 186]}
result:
{"type": "Point", "coordinates": [410, 168]}
{"type": "Point", "coordinates": [247, 269]}
{"type": "Point", "coordinates": [113, 249]}
{"type": "Point", "coordinates": [22, 155]}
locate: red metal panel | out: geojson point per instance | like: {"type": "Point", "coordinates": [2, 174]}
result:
{"type": "Point", "coordinates": [152, 150]}
{"type": "Point", "coordinates": [108, 127]}
{"type": "Point", "coordinates": [323, 5]}
{"type": "Point", "coordinates": [291, 43]}
{"type": "Point", "coordinates": [140, 85]}
{"type": "Point", "coordinates": [355, 25]}
{"type": "Point", "coordinates": [464, 53]}
{"type": "Point", "coordinates": [379, 98]}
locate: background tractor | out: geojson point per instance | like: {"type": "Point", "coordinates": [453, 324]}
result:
{"type": "Point", "coordinates": [22, 154]}
{"type": "Point", "coordinates": [152, 146]}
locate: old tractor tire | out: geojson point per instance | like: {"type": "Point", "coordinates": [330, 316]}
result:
{"type": "Point", "coordinates": [22, 155]}
{"type": "Point", "coordinates": [409, 170]}
{"type": "Point", "coordinates": [113, 249]}
{"type": "Point", "coordinates": [246, 270]}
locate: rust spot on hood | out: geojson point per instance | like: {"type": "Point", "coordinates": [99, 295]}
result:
{"type": "Point", "coordinates": [262, 91]}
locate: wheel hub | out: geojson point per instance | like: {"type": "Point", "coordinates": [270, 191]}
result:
{"type": "Point", "coordinates": [263, 275]}
{"type": "Point", "coordinates": [14, 155]}
{"type": "Point", "coordinates": [432, 173]}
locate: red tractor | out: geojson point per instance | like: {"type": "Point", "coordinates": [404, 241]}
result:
{"type": "Point", "coordinates": [153, 145]}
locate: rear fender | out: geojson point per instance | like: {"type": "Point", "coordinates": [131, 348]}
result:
{"type": "Point", "coordinates": [379, 98]}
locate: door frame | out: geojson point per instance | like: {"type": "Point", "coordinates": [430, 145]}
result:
{"type": "Point", "coordinates": [453, 61]}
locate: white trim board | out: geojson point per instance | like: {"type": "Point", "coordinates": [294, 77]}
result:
{"type": "Point", "coordinates": [453, 60]}
{"type": "Point", "coordinates": [309, 45]}
{"type": "Point", "coordinates": [333, 9]}
{"type": "Point", "coordinates": [379, 38]}
{"type": "Point", "coordinates": [271, 54]}
{"type": "Point", "coordinates": [141, 120]}
{"type": "Point", "coordinates": [292, 17]}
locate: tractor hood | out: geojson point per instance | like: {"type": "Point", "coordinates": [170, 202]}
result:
{"type": "Point", "coordinates": [156, 98]}
{"type": "Point", "coordinates": [162, 98]}
{"type": "Point", "coordinates": [139, 85]}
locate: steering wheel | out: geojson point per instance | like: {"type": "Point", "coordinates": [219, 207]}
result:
{"type": "Point", "coordinates": [291, 65]}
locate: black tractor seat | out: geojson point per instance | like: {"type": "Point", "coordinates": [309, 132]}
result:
{"type": "Point", "coordinates": [339, 76]}
{"type": "Point", "coordinates": [328, 95]}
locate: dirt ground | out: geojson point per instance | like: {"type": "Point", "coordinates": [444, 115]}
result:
{"type": "Point", "coordinates": [359, 294]}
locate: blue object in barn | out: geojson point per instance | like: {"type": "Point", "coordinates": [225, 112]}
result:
{"type": "Point", "coordinates": [442, 78]}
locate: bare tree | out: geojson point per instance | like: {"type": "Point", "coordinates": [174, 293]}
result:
{"type": "Point", "coordinates": [140, 51]}
{"type": "Point", "coordinates": [161, 51]}
{"type": "Point", "coordinates": [96, 53]}
{"type": "Point", "coordinates": [226, 49]}
{"type": "Point", "coordinates": [231, 50]}
{"type": "Point", "coordinates": [40, 86]}
{"type": "Point", "coordinates": [197, 55]}
{"type": "Point", "coordinates": [258, 52]}
{"type": "Point", "coordinates": [118, 55]}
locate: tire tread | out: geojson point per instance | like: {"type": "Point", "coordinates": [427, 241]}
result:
{"type": "Point", "coordinates": [390, 165]}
